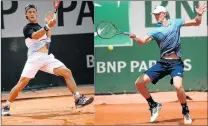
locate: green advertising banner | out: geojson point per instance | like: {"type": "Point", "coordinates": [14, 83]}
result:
{"type": "Point", "coordinates": [114, 12]}
{"type": "Point", "coordinates": [116, 71]}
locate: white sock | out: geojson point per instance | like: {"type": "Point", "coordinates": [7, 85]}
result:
{"type": "Point", "coordinates": [76, 95]}
{"type": "Point", "coordinates": [8, 103]}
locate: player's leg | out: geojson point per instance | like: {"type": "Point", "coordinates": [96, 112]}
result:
{"type": "Point", "coordinates": [71, 84]}
{"type": "Point", "coordinates": [177, 75]}
{"type": "Point", "coordinates": [155, 107]}
{"type": "Point", "coordinates": [67, 75]}
{"type": "Point", "coordinates": [28, 73]}
{"type": "Point", "coordinates": [177, 82]}
{"type": "Point", "coordinates": [56, 67]}
{"type": "Point", "coordinates": [23, 81]}
{"type": "Point", "coordinates": [152, 75]}
{"type": "Point", "coordinates": [141, 83]}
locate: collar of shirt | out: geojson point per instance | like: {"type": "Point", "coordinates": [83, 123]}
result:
{"type": "Point", "coordinates": [169, 23]}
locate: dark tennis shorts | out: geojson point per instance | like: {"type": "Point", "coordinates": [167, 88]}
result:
{"type": "Point", "coordinates": [163, 67]}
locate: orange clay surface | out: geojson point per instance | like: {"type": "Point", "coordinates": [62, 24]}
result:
{"type": "Point", "coordinates": [49, 107]}
{"type": "Point", "coordinates": [56, 107]}
{"type": "Point", "coordinates": [132, 109]}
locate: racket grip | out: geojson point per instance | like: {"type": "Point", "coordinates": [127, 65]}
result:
{"type": "Point", "coordinates": [55, 11]}
{"type": "Point", "coordinates": [126, 33]}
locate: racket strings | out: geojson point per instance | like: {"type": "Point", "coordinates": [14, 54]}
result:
{"type": "Point", "coordinates": [56, 3]}
{"type": "Point", "coordinates": [106, 30]}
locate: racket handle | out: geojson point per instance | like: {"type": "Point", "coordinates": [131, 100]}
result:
{"type": "Point", "coordinates": [55, 11]}
{"type": "Point", "coordinates": [126, 33]}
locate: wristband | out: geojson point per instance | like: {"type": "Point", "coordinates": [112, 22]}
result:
{"type": "Point", "coordinates": [46, 27]}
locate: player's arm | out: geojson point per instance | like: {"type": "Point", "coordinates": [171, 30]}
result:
{"type": "Point", "coordinates": [193, 22]}
{"type": "Point", "coordinates": [47, 20]}
{"type": "Point", "coordinates": [197, 20]}
{"type": "Point", "coordinates": [49, 33]}
{"type": "Point", "coordinates": [38, 34]}
{"type": "Point", "coordinates": [30, 33]}
{"type": "Point", "coordinates": [141, 41]}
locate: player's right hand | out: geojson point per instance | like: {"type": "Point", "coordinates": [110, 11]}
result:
{"type": "Point", "coordinates": [132, 36]}
{"type": "Point", "coordinates": [52, 23]}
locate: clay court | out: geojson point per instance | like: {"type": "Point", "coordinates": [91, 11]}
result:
{"type": "Point", "coordinates": [54, 106]}
{"type": "Point", "coordinates": [132, 109]}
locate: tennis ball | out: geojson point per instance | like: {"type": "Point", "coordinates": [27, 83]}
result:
{"type": "Point", "coordinates": [110, 47]}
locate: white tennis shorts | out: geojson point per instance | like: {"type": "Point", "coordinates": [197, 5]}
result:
{"type": "Point", "coordinates": [40, 61]}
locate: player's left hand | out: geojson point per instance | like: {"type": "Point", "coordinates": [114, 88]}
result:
{"type": "Point", "coordinates": [49, 17]}
{"type": "Point", "coordinates": [201, 9]}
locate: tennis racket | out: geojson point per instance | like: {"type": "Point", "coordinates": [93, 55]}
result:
{"type": "Point", "coordinates": [56, 4]}
{"type": "Point", "coordinates": [52, 15]}
{"type": "Point", "coordinates": [107, 30]}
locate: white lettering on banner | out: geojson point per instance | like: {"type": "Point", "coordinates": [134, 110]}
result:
{"type": "Point", "coordinates": [134, 66]}
{"type": "Point", "coordinates": [187, 65]}
{"type": "Point", "coordinates": [74, 17]}
{"type": "Point", "coordinates": [137, 18]}
{"type": "Point", "coordinates": [143, 66]}
{"type": "Point", "coordinates": [101, 67]}
{"type": "Point", "coordinates": [111, 66]}
{"type": "Point", "coordinates": [90, 61]}
{"type": "Point", "coordinates": [151, 63]}
{"type": "Point", "coordinates": [121, 65]}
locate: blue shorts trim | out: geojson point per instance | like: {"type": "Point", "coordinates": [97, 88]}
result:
{"type": "Point", "coordinates": [164, 67]}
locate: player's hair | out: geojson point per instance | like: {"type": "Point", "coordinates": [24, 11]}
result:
{"type": "Point", "coordinates": [167, 15]}
{"type": "Point", "coordinates": [30, 6]}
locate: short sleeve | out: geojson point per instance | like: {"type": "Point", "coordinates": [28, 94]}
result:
{"type": "Point", "coordinates": [28, 31]}
{"type": "Point", "coordinates": [179, 22]}
{"type": "Point", "coordinates": [152, 34]}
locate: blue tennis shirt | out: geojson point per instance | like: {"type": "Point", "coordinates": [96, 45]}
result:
{"type": "Point", "coordinates": [168, 37]}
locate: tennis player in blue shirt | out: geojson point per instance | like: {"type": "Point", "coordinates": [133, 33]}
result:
{"type": "Point", "coordinates": [167, 36]}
